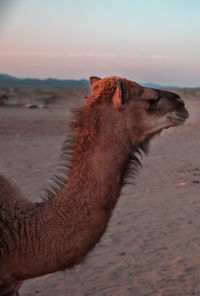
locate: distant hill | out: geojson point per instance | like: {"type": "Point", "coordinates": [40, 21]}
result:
{"type": "Point", "coordinates": [11, 81]}
{"type": "Point", "coordinates": [152, 85]}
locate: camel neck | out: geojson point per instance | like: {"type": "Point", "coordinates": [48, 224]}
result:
{"type": "Point", "coordinates": [100, 173]}
{"type": "Point", "coordinates": [68, 225]}
{"type": "Point", "coordinates": [73, 218]}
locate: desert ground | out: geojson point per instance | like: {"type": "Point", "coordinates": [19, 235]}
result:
{"type": "Point", "coordinates": [152, 244]}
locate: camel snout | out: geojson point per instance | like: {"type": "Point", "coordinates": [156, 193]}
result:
{"type": "Point", "coordinates": [181, 117]}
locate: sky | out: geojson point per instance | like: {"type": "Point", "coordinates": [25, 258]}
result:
{"type": "Point", "coordinates": [142, 40]}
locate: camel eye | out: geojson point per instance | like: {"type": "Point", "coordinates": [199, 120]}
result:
{"type": "Point", "coordinates": [152, 104]}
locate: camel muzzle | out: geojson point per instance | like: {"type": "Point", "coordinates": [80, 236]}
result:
{"type": "Point", "coordinates": [180, 117]}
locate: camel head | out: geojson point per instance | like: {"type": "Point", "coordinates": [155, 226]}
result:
{"type": "Point", "coordinates": [141, 111]}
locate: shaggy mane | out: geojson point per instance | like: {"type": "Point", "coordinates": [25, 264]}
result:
{"type": "Point", "coordinates": [71, 147]}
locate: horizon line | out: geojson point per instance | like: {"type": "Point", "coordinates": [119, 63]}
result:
{"type": "Point", "coordinates": [87, 79]}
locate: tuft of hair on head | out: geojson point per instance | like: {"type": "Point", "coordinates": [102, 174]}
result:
{"type": "Point", "coordinates": [120, 96]}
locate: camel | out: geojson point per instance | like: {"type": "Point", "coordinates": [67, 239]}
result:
{"type": "Point", "coordinates": [116, 122]}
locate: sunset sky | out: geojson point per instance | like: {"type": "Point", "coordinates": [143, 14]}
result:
{"type": "Point", "coordinates": [143, 40]}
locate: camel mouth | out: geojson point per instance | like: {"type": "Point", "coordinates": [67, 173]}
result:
{"type": "Point", "coordinates": [171, 119]}
{"type": "Point", "coordinates": [179, 118]}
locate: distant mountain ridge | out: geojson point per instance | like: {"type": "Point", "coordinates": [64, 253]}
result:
{"type": "Point", "coordinates": [11, 81]}
{"type": "Point", "coordinates": [152, 85]}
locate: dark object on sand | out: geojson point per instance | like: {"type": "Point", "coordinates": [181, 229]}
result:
{"type": "Point", "coordinates": [3, 99]}
{"type": "Point", "coordinates": [32, 106]}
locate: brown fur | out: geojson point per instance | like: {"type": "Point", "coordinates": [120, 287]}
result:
{"type": "Point", "coordinates": [116, 122]}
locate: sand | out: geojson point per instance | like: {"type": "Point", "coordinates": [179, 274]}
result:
{"type": "Point", "coordinates": [152, 244]}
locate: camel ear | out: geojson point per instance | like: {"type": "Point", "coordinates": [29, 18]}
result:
{"type": "Point", "coordinates": [119, 95]}
{"type": "Point", "coordinates": [94, 79]}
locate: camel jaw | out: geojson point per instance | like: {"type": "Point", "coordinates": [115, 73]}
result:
{"type": "Point", "coordinates": [169, 120]}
